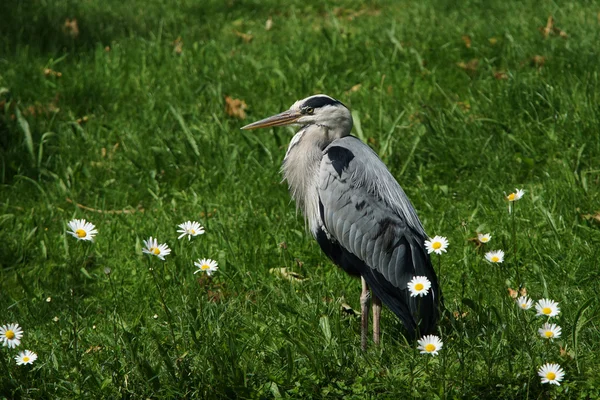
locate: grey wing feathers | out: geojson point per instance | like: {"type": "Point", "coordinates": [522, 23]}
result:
{"type": "Point", "coordinates": [366, 211]}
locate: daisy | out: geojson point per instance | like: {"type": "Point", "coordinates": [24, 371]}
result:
{"type": "Point", "coordinates": [547, 308]}
{"type": "Point", "coordinates": [436, 245]}
{"type": "Point", "coordinates": [419, 286]}
{"type": "Point", "coordinates": [25, 357]}
{"type": "Point", "coordinates": [525, 302]}
{"type": "Point", "coordinates": [430, 344]}
{"type": "Point", "coordinates": [495, 256]}
{"type": "Point", "coordinates": [153, 248]}
{"type": "Point", "coordinates": [551, 373]}
{"type": "Point", "coordinates": [515, 196]}
{"type": "Point", "coordinates": [190, 229]}
{"type": "Point", "coordinates": [206, 265]}
{"type": "Point", "coordinates": [550, 331]}
{"type": "Point", "coordinates": [11, 335]}
{"type": "Point", "coordinates": [82, 230]}
{"type": "Point", "coordinates": [484, 238]}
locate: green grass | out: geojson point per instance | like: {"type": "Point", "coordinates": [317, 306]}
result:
{"type": "Point", "coordinates": [158, 149]}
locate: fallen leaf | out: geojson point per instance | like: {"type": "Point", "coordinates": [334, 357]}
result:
{"type": "Point", "coordinates": [235, 107]}
{"type": "Point", "coordinates": [465, 107]}
{"type": "Point", "coordinates": [49, 72]}
{"type": "Point", "coordinates": [467, 40]}
{"type": "Point", "coordinates": [82, 120]}
{"type": "Point", "coordinates": [71, 27]}
{"type": "Point", "coordinates": [289, 275]}
{"type": "Point", "coordinates": [469, 67]}
{"type": "Point", "coordinates": [354, 88]}
{"type": "Point", "coordinates": [93, 349]}
{"type": "Point", "coordinates": [178, 45]}
{"type": "Point", "coordinates": [493, 40]}
{"type": "Point", "coordinates": [246, 37]}
{"type": "Point", "coordinates": [269, 24]}
{"type": "Point", "coordinates": [461, 315]}
{"type": "Point", "coordinates": [512, 293]}
{"type": "Point", "coordinates": [548, 28]}
{"type": "Point", "coordinates": [592, 217]}
{"type": "Point", "coordinates": [107, 49]}
{"type": "Point", "coordinates": [500, 75]}
{"type": "Point", "coordinates": [523, 291]}
{"type": "Point", "coordinates": [538, 61]}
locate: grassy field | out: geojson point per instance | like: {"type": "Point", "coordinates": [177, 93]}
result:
{"type": "Point", "coordinates": [120, 118]}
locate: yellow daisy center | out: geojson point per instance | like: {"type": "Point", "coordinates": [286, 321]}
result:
{"type": "Point", "coordinates": [549, 334]}
{"type": "Point", "coordinates": [25, 359]}
{"type": "Point", "coordinates": [495, 258]}
{"type": "Point", "coordinates": [547, 310]}
{"type": "Point", "coordinates": [551, 376]}
{"type": "Point", "coordinates": [436, 245]}
{"type": "Point", "coordinates": [204, 267]}
{"type": "Point", "coordinates": [484, 240]}
{"type": "Point", "coordinates": [419, 286]}
{"type": "Point", "coordinates": [430, 347]}
{"type": "Point", "coordinates": [81, 233]}
{"type": "Point", "coordinates": [155, 251]}
{"type": "Point", "coordinates": [523, 305]}
{"type": "Point", "coordinates": [512, 196]}
{"type": "Point", "coordinates": [193, 231]}
{"type": "Point", "coordinates": [9, 335]}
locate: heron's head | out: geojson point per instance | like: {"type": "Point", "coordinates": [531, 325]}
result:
{"type": "Point", "coordinates": [319, 109]}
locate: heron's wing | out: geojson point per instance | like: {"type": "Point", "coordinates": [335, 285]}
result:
{"type": "Point", "coordinates": [371, 229]}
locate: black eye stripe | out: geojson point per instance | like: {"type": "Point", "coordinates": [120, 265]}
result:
{"type": "Point", "coordinates": [320, 101]}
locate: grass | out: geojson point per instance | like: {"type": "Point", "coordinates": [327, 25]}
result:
{"type": "Point", "coordinates": [133, 136]}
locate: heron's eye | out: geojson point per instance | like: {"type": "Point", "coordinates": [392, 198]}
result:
{"type": "Point", "coordinates": [308, 110]}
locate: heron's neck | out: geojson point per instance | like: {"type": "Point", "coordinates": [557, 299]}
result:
{"type": "Point", "coordinates": [301, 170]}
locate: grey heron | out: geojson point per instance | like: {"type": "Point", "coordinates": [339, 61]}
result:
{"type": "Point", "coordinates": [357, 212]}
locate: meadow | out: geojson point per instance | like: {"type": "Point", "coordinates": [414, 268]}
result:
{"type": "Point", "coordinates": [128, 114]}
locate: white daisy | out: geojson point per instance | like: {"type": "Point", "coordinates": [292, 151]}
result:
{"type": "Point", "coordinates": [190, 229]}
{"type": "Point", "coordinates": [419, 286]}
{"type": "Point", "coordinates": [436, 245]}
{"type": "Point", "coordinates": [550, 331]}
{"type": "Point", "coordinates": [496, 256]}
{"type": "Point", "coordinates": [25, 357]}
{"type": "Point", "coordinates": [430, 344]}
{"type": "Point", "coordinates": [484, 238]}
{"type": "Point", "coordinates": [11, 335]}
{"type": "Point", "coordinates": [82, 230]}
{"type": "Point", "coordinates": [524, 302]}
{"type": "Point", "coordinates": [206, 265]}
{"type": "Point", "coordinates": [516, 195]}
{"type": "Point", "coordinates": [153, 248]}
{"type": "Point", "coordinates": [551, 373]}
{"type": "Point", "coordinates": [547, 308]}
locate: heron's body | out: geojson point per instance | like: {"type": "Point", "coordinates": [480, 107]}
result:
{"type": "Point", "coordinates": [357, 211]}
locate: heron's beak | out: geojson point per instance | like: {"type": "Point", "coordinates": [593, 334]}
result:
{"type": "Point", "coordinates": [285, 118]}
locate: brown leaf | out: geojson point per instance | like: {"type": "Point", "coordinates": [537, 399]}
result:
{"type": "Point", "coordinates": [469, 67]}
{"type": "Point", "coordinates": [467, 40]}
{"type": "Point", "coordinates": [592, 217]}
{"type": "Point", "coordinates": [354, 88]}
{"type": "Point", "coordinates": [548, 28]}
{"type": "Point", "coordinates": [49, 72]}
{"type": "Point", "coordinates": [500, 75]}
{"type": "Point", "coordinates": [461, 315]}
{"type": "Point", "coordinates": [178, 45]}
{"type": "Point", "coordinates": [246, 37]}
{"type": "Point", "coordinates": [538, 61]}
{"type": "Point", "coordinates": [523, 291]}
{"type": "Point", "coordinates": [71, 28]}
{"type": "Point", "coordinates": [235, 107]}
{"type": "Point", "coordinates": [512, 293]}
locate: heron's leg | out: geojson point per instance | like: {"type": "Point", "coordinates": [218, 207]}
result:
{"type": "Point", "coordinates": [364, 314]}
{"type": "Point", "coordinates": [376, 317]}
